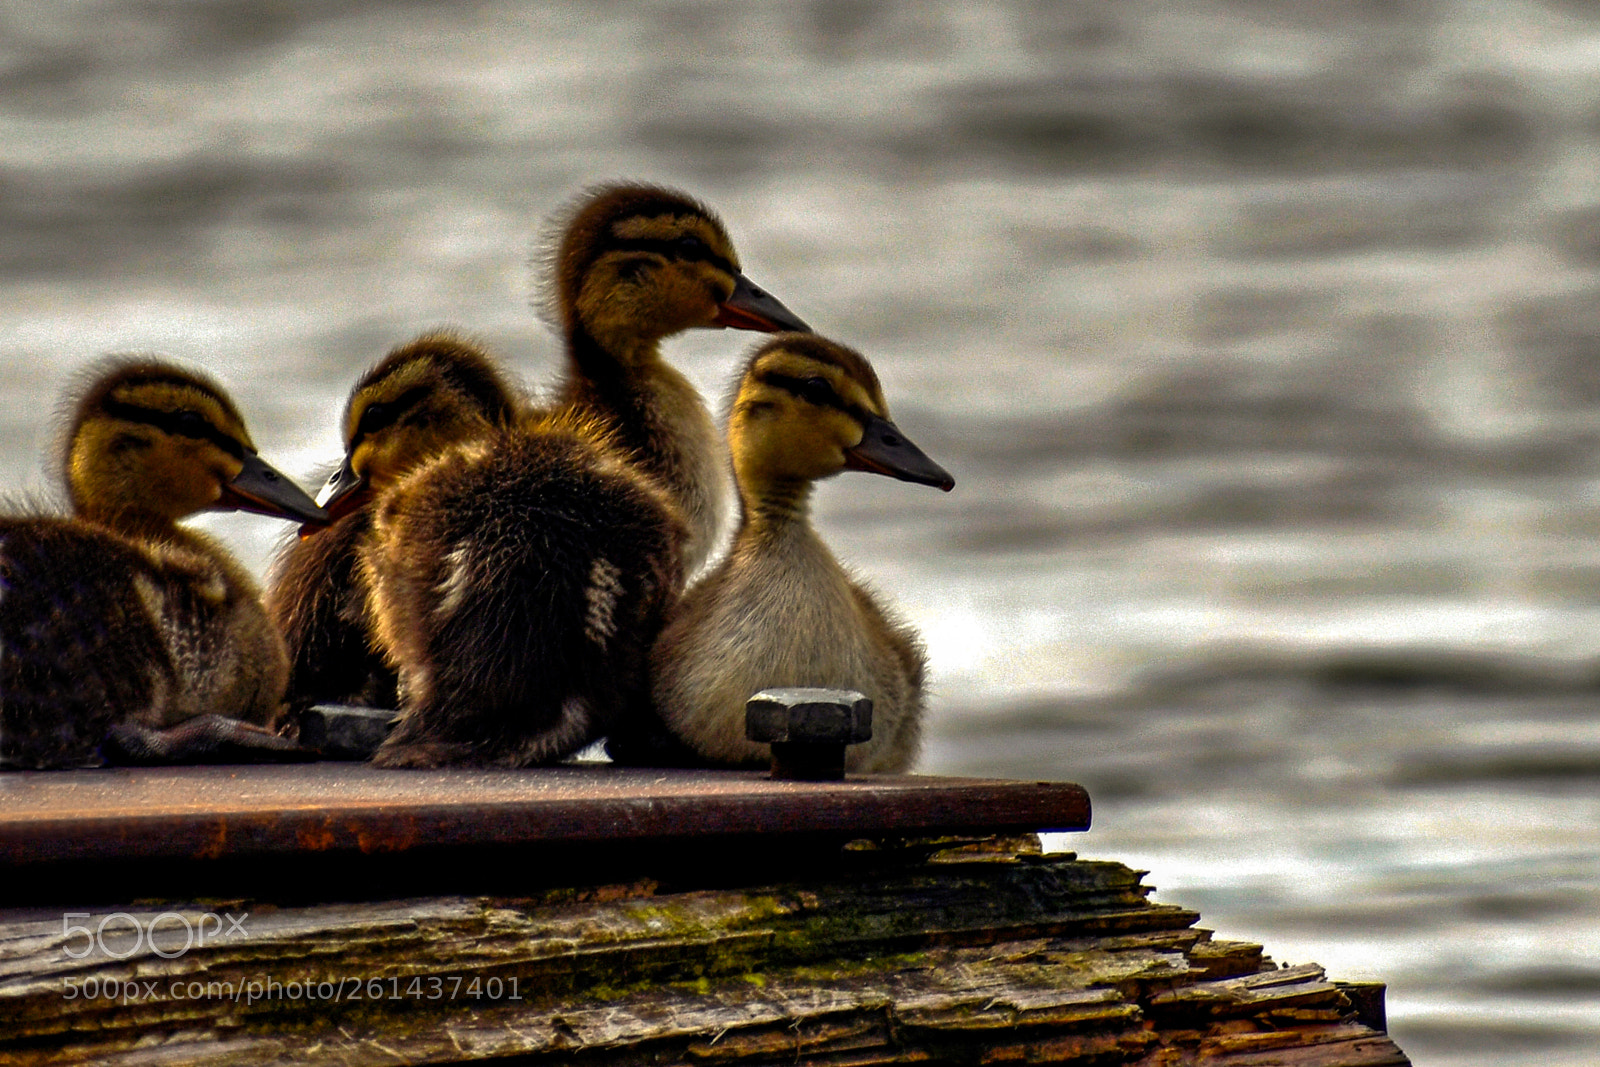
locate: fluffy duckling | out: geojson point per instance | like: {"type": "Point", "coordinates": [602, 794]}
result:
{"type": "Point", "coordinates": [779, 610]}
{"type": "Point", "coordinates": [119, 620]}
{"type": "Point", "coordinates": [518, 583]}
{"type": "Point", "coordinates": [635, 264]}
{"type": "Point", "coordinates": [421, 399]}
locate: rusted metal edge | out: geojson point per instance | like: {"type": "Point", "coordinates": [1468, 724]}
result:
{"type": "Point", "coordinates": [253, 812]}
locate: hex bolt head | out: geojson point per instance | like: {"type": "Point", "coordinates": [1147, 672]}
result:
{"type": "Point", "coordinates": [808, 729]}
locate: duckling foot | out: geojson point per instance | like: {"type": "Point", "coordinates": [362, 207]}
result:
{"type": "Point", "coordinates": [203, 739]}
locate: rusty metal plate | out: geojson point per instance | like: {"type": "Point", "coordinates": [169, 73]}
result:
{"type": "Point", "coordinates": [235, 812]}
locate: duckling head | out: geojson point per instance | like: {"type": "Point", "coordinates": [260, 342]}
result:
{"type": "Point", "coordinates": [807, 408]}
{"type": "Point", "coordinates": [637, 263]}
{"type": "Point", "coordinates": [149, 442]}
{"type": "Point", "coordinates": [418, 401]}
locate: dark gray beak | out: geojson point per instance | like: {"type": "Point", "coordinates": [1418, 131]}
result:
{"type": "Point", "coordinates": [343, 492]}
{"type": "Point", "coordinates": [751, 308]}
{"type": "Point", "coordinates": [263, 489]}
{"type": "Point", "coordinates": [885, 450]}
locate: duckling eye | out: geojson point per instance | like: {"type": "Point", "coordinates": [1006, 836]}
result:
{"type": "Point", "coordinates": [691, 246]}
{"type": "Point", "coordinates": [818, 391]}
{"type": "Point", "coordinates": [381, 414]}
{"type": "Point", "coordinates": [376, 416]}
{"type": "Point", "coordinates": [190, 424]}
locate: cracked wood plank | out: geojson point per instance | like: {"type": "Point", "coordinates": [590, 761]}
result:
{"type": "Point", "coordinates": [978, 950]}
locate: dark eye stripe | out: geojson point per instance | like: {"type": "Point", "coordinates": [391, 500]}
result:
{"type": "Point", "coordinates": [671, 249]}
{"type": "Point", "coordinates": [797, 387]}
{"type": "Point", "coordinates": [176, 423]}
{"type": "Point", "coordinates": [381, 414]}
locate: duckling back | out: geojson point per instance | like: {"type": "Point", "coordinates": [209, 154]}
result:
{"type": "Point", "coordinates": [779, 610]}
{"type": "Point", "coordinates": [79, 646]}
{"type": "Point", "coordinates": [517, 584]}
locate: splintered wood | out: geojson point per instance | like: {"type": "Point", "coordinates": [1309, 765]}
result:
{"type": "Point", "coordinates": [894, 952]}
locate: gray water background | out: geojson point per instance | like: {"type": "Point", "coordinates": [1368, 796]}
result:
{"type": "Point", "coordinates": [1261, 338]}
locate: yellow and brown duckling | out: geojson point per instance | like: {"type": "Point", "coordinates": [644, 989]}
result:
{"type": "Point", "coordinates": [120, 622]}
{"type": "Point", "coordinates": [517, 584]}
{"type": "Point", "coordinates": [779, 610]}
{"type": "Point", "coordinates": [636, 264]}
{"type": "Point", "coordinates": [420, 400]}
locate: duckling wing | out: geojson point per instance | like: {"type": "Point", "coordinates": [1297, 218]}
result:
{"type": "Point", "coordinates": [900, 662]}
{"type": "Point", "coordinates": [893, 636]}
{"type": "Point", "coordinates": [78, 647]}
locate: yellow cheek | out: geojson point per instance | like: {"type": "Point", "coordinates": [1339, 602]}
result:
{"type": "Point", "coordinates": [186, 483]}
{"type": "Point", "coordinates": [671, 303]}
{"type": "Point", "coordinates": [825, 454]}
{"type": "Point", "coordinates": [712, 287]}
{"type": "Point", "coordinates": [376, 461]}
{"type": "Point", "coordinates": [223, 473]}
{"type": "Point", "coordinates": [210, 491]}
{"type": "Point", "coordinates": [387, 460]}
{"type": "Point", "coordinates": [592, 303]}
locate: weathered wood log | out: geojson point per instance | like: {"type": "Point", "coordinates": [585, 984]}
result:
{"type": "Point", "coordinates": [898, 951]}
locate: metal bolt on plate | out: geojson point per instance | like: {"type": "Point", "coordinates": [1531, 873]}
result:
{"type": "Point", "coordinates": [808, 729]}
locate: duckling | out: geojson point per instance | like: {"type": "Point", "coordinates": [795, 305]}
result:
{"type": "Point", "coordinates": [779, 610]}
{"type": "Point", "coordinates": [422, 398]}
{"type": "Point", "coordinates": [517, 583]}
{"type": "Point", "coordinates": [635, 264]}
{"type": "Point", "coordinates": [119, 619]}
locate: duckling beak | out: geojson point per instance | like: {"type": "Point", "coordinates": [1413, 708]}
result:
{"type": "Point", "coordinates": [261, 488]}
{"type": "Point", "coordinates": [751, 308]}
{"type": "Point", "coordinates": [885, 450]}
{"type": "Point", "coordinates": [344, 491]}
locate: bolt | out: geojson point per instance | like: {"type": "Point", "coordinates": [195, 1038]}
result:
{"type": "Point", "coordinates": [808, 729]}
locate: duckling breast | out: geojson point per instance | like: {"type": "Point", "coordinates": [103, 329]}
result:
{"type": "Point", "coordinates": [691, 458]}
{"type": "Point", "coordinates": [777, 617]}
{"type": "Point", "coordinates": [661, 421]}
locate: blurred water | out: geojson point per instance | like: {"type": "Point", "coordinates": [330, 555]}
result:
{"type": "Point", "coordinates": [1261, 338]}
